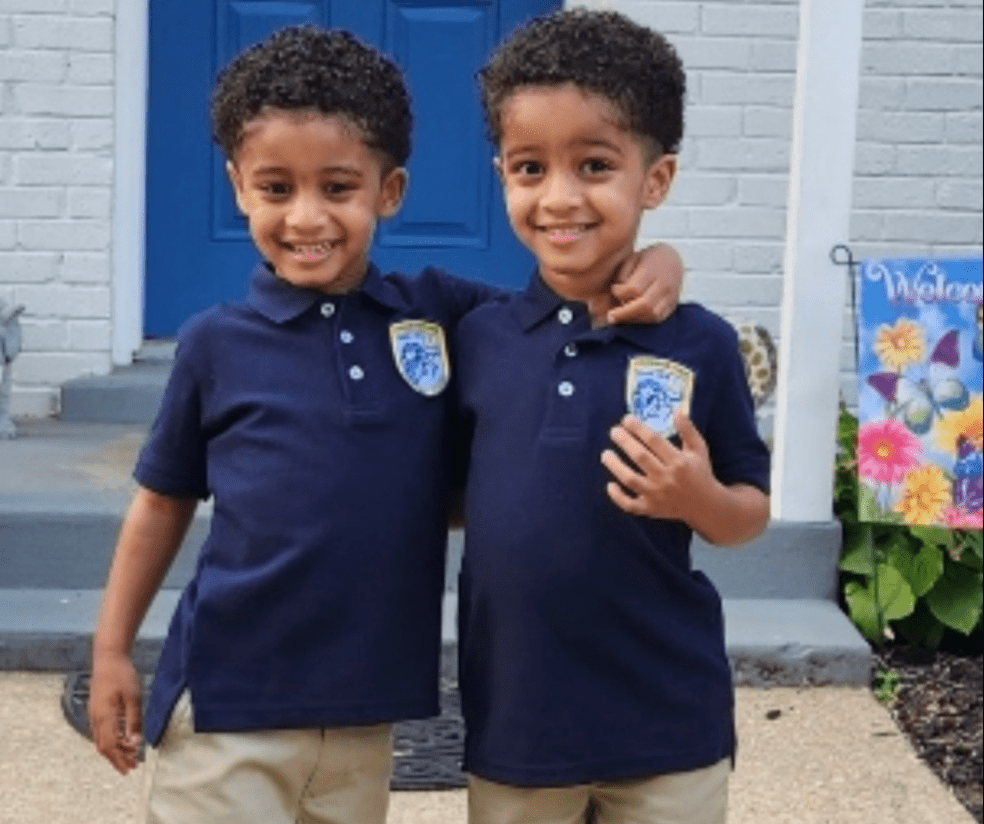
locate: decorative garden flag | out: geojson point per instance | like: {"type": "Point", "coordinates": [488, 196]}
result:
{"type": "Point", "coordinates": [919, 392]}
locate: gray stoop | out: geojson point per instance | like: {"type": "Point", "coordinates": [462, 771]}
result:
{"type": "Point", "coordinates": [67, 482]}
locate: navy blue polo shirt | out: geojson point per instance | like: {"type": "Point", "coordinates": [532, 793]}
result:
{"type": "Point", "coordinates": [590, 649]}
{"type": "Point", "coordinates": [317, 596]}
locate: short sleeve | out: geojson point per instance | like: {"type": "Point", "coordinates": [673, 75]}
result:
{"type": "Point", "coordinates": [738, 453]}
{"type": "Point", "coordinates": [173, 459]}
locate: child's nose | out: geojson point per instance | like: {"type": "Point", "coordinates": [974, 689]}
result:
{"type": "Point", "coordinates": [562, 192]}
{"type": "Point", "coordinates": [306, 210]}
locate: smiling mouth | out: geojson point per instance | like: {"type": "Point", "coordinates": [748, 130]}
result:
{"type": "Point", "coordinates": [310, 250]}
{"type": "Point", "coordinates": [565, 234]}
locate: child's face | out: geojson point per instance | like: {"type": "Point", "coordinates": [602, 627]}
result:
{"type": "Point", "coordinates": [312, 192]}
{"type": "Point", "coordinates": [576, 184]}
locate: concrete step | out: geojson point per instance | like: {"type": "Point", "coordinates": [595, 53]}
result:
{"type": "Point", "coordinates": [68, 483]}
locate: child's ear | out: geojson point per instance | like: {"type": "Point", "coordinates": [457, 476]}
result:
{"type": "Point", "coordinates": [236, 179]}
{"type": "Point", "coordinates": [659, 178]}
{"type": "Point", "coordinates": [497, 165]}
{"type": "Point", "coordinates": [392, 190]}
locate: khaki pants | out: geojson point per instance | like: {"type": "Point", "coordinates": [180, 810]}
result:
{"type": "Point", "coordinates": [694, 797]}
{"type": "Point", "coordinates": [306, 776]}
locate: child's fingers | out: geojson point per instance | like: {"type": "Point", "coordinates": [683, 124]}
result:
{"type": "Point", "coordinates": [624, 501]}
{"type": "Point", "coordinates": [626, 476]}
{"type": "Point", "coordinates": [690, 436]}
{"type": "Point", "coordinates": [639, 441]}
{"type": "Point", "coordinates": [639, 309]}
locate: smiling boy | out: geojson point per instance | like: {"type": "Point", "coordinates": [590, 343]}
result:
{"type": "Point", "coordinates": [594, 677]}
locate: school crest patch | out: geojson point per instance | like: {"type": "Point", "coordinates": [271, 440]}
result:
{"type": "Point", "coordinates": [421, 355]}
{"type": "Point", "coordinates": [655, 388]}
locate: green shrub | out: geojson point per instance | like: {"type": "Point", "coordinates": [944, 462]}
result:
{"type": "Point", "coordinates": [899, 581]}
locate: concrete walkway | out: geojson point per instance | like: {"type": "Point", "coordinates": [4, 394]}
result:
{"type": "Point", "coordinates": [816, 755]}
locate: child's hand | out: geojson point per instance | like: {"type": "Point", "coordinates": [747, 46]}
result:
{"type": "Point", "coordinates": [647, 286]}
{"type": "Point", "coordinates": [664, 481]}
{"type": "Point", "coordinates": [114, 710]}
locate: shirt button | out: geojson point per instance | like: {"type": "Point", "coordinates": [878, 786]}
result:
{"type": "Point", "coordinates": [565, 315]}
{"type": "Point", "coordinates": [327, 309]}
{"type": "Point", "coordinates": [346, 336]}
{"type": "Point", "coordinates": [566, 389]}
{"type": "Point", "coordinates": [356, 373]}
{"type": "Point", "coordinates": [570, 350]}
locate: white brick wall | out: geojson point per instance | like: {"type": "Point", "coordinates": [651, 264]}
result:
{"type": "Point", "coordinates": [918, 164]}
{"type": "Point", "coordinates": [56, 175]}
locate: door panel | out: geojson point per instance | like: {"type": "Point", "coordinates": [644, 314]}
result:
{"type": "Point", "coordinates": [198, 246]}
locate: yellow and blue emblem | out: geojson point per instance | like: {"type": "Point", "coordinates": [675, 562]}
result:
{"type": "Point", "coordinates": [655, 388]}
{"type": "Point", "coordinates": [421, 355]}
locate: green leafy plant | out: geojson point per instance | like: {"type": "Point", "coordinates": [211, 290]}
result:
{"type": "Point", "coordinates": [896, 579]}
{"type": "Point", "coordinates": [886, 686]}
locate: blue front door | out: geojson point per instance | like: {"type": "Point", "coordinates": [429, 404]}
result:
{"type": "Point", "coordinates": [198, 248]}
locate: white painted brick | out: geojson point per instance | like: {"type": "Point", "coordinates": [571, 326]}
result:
{"type": "Point", "coordinates": [964, 127]}
{"type": "Point", "coordinates": [32, 6]}
{"type": "Point", "coordinates": [933, 227]}
{"type": "Point", "coordinates": [749, 19]}
{"type": "Point", "coordinates": [62, 235]}
{"type": "Point", "coordinates": [6, 33]}
{"type": "Point", "coordinates": [750, 154]}
{"type": "Point", "coordinates": [946, 25]}
{"type": "Point", "coordinates": [90, 69]}
{"type": "Point", "coordinates": [703, 255]}
{"type": "Point", "coordinates": [59, 32]}
{"type": "Point", "coordinates": [714, 53]}
{"type": "Point", "coordinates": [28, 267]}
{"type": "Point", "coordinates": [8, 235]}
{"type": "Point", "coordinates": [31, 202]}
{"type": "Point", "coordinates": [873, 159]}
{"type": "Point", "coordinates": [703, 189]}
{"type": "Point", "coordinates": [42, 335]}
{"type": "Point", "coordinates": [866, 226]}
{"type": "Point", "coordinates": [713, 121]}
{"type": "Point", "coordinates": [881, 92]}
{"type": "Point", "coordinates": [89, 335]}
{"type": "Point", "coordinates": [895, 193]}
{"type": "Point", "coordinates": [968, 60]}
{"type": "Point", "coordinates": [47, 368]}
{"type": "Point", "coordinates": [92, 134]}
{"type": "Point", "coordinates": [767, 121]}
{"type": "Point", "coordinates": [774, 55]}
{"type": "Point", "coordinates": [939, 160]}
{"type": "Point", "coordinates": [90, 201]}
{"type": "Point", "coordinates": [57, 300]}
{"type": "Point", "coordinates": [85, 267]}
{"type": "Point", "coordinates": [938, 94]}
{"type": "Point", "coordinates": [960, 194]}
{"type": "Point", "coordinates": [63, 101]}
{"type": "Point", "coordinates": [748, 290]}
{"type": "Point", "coordinates": [34, 134]}
{"type": "Point", "coordinates": [744, 222]}
{"type": "Point", "coordinates": [901, 127]}
{"type": "Point", "coordinates": [881, 24]}
{"type": "Point", "coordinates": [763, 190]}
{"type": "Point", "coordinates": [47, 168]}
{"type": "Point", "coordinates": [92, 7]}
{"type": "Point", "coordinates": [759, 258]}
{"type": "Point", "coordinates": [668, 221]}
{"type": "Point", "coordinates": [751, 89]}
{"type": "Point", "coordinates": [32, 66]}
{"type": "Point", "coordinates": [896, 58]}
{"type": "Point", "coordinates": [668, 18]}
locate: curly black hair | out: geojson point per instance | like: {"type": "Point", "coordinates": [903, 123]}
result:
{"type": "Point", "coordinates": [602, 52]}
{"type": "Point", "coordinates": [324, 70]}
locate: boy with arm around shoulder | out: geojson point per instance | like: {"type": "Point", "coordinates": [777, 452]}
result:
{"type": "Point", "coordinates": [316, 415]}
{"type": "Point", "coordinates": [593, 669]}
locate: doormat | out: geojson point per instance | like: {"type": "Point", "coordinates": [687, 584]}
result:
{"type": "Point", "coordinates": [426, 753]}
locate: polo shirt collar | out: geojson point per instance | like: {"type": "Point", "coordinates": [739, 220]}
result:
{"type": "Point", "coordinates": [281, 301]}
{"type": "Point", "coordinates": [539, 302]}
